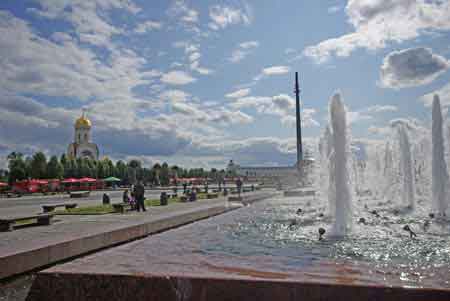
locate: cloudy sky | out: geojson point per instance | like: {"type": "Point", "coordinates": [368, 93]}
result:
{"type": "Point", "coordinates": [199, 84]}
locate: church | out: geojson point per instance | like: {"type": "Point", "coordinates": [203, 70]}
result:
{"type": "Point", "coordinates": [82, 146]}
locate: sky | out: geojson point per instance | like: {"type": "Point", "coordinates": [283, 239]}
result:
{"type": "Point", "coordinates": [197, 83]}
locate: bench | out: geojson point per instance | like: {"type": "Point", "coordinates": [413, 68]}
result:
{"type": "Point", "coordinates": [212, 195]}
{"type": "Point", "coordinates": [121, 207]}
{"type": "Point", "coordinates": [79, 194]}
{"type": "Point", "coordinates": [8, 224]}
{"type": "Point", "coordinates": [183, 199]}
{"type": "Point", "coordinates": [50, 208]}
{"type": "Point", "coordinates": [234, 199]}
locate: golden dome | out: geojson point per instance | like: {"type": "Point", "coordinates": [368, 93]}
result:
{"type": "Point", "coordinates": [82, 122]}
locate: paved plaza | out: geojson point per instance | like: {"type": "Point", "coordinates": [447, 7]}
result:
{"type": "Point", "coordinates": [26, 205]}
{"type": "Point", "coordinates": [32, 247]}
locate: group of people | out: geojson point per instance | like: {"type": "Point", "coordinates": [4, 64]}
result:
{"type": "Point", "coordinates": [136, 197]}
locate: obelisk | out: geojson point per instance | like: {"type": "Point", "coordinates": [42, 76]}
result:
{"type": "Point", "coordinates": [299, 123]}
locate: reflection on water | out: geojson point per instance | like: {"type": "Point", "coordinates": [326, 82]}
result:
{"type": "Point", "coordinates": [271, 236]}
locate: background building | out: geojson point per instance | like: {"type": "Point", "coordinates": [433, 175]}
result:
{"type": "Point", "coordinates": [82, 146]}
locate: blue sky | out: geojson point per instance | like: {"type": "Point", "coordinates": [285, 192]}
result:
{"type": "Point", "coordinates": [199, 84]}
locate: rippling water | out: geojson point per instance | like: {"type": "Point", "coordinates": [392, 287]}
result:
{"type": "Point", "coordinates": [270, 235]}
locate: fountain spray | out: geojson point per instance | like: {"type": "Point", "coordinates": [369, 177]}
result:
{"type": "Point", "coordinates": [406, 165]}
{"type": "Point", "coordinates": [440, 178]}
{"type": "Point", "coordinates": [341, 191]}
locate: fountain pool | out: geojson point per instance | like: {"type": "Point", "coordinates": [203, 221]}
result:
{"type": "Point", "coordinates": [261, 242]}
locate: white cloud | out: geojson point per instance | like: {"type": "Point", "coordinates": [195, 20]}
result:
{"type": "Point", "coordinates": [239, 93]}
{"type": "Point", "coordinates": [63, 69]}
{"type": "Point", "coordinates": [382, 131]}
{"type": "Point", "coordinates": [147, 26]}
{"type": "Point", "coordinates": [411, 67]}
{"type": "Point", "coordinates": [194, 56]}
{"type": "Point", "coordinates": [87, 17]}
{"type": "Point", "coordinates": [174, 96]}
{"type": "Point", "coordinates": [279, 105]}
{"type": "Point", "coordinates": [377, 23]}
{"type": "Point", "coordinates": [276, 70]}
{"type": "Point", "coordinates": [223, 16]}
{"type": "Point", "coordinates": [381, 109]}
{"type": "Point", "coordinates": [226, 117]}
{"type": "Point", "coordinates": [177, 78]}
{"type": "Point", "coordinates": [354, 117]}
{"type": "Point", "coordinates": [334, 9]}
{"type": "Point", "coordinates": [180, 10]}
{"type": "Point", "coordinates": [249, 44]}
{"type": "Point", "coordinates": [242, 51]}
{"type": "Point", "coordinates": [193, 52]}
{"type": "Point", "coordinates": [444, 95]}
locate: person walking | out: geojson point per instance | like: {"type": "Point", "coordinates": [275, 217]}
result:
{"type": "Point", "coordinates": [239, 186]}
{"type": "Point", "coordinates": [125, 196]}
{"type": "Point", "coordinates": [106, 199]}
{"type": "Point", "coordinates": [139, 194]}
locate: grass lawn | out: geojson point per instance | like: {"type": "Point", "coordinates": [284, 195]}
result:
{"type": "Point", "coordinates": [25, 222]}
{"type": "Point", "coordinates": [106, 209]}
{"type": "Point", "coordinates": [90, 210]}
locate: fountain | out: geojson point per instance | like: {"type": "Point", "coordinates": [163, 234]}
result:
{"type": "Point", "coordinates": [340, 190]}
{"type": "Point", "coordinates": [274, 250]}
{"type": "Point", "coordinates": [406, 167]}
{"type": "Point", "coordinates": [440, 178]}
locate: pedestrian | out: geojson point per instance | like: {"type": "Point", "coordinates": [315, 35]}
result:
{"type": "Point", "coordinates": [193, 196]}
{"type": "Point", "coordinates": [239, 186]}
{"type": "Point", "coordinates": [139, 194]}
{"type": "Point", "coordinates": [125, 197]}
{"type": "Point", "coordinates": [106, 199]}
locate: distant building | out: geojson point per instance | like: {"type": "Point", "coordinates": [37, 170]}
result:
{"type": "Point", "coordinates": [82, 146]}
{"type": "Point", "coordinates": [262, 172]}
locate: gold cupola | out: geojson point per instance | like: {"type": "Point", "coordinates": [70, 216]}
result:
{"type": "Point", "coordinates": [83, 122]}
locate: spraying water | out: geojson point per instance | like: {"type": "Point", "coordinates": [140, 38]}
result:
{"type": "Point", "coordinates": [340, 179]}
{"type": "Point", "coordinates": [406, 167]}
{"type": "Point", "coordinates": [439, 168]}
{"type": "Point", "coordinates": [327, 168]}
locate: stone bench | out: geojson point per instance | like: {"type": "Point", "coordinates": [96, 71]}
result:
{"type": "Point", "coordinates": [234, 199]}
{"type": "Point", "coordinates": [7, 224]}
{"type": "Point", "coordinates": [50, 208]}
{"type": "Point", "coordinates": [121, 207]}
{"type": "Point", "coordinates": [79, 194]}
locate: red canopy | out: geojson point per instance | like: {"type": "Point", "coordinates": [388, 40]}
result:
{"type": "Point", "coordinates": [70, 180]}
{"type": "Point", "coordinates": [42, 182]}
{"type": "Point", "coordinates": [89, 180]}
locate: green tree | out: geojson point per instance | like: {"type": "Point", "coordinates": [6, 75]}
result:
{"type": "Point", "coordinates": [55, 169]}
{"type": "Point", "coordinates": [135, 170]}
{"type": "Point", "coordinates": [16, 166]}
{"type": "Point", "coordinates": [157, 170]}
{"type": "Point", "coordinates": [164, 175]}
{"type": "Point", "coordinates": [121, 172]}
{"type": "Point", "coordinates": [39, 166]}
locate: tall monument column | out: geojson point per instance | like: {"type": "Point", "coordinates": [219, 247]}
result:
{"type": "Point", "coordinates": [299, 122]}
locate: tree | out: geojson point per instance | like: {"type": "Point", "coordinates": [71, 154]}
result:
{"type": "Point", "coordinates": [55, 169]}
{"type": "Point", "coordinates": [135, 170]}
{"type": "Point", "coordinates": [164, 176]}
{"type": "Point", "coordinates": [121, 171]}
{"type": "Point", "coordinates": [39, 166]}
{"type": "Point", "coordinates": [157, 170]}
{"type": "Point", "coordinates": [17, 168]}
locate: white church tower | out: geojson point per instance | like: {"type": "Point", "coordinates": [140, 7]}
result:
{"type": "Point", "coordinates": [82, 146]}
